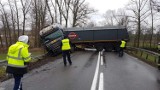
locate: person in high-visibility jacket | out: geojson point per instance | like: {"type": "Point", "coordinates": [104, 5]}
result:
{"type": "Point", "coordinates": [17, 58]}
{"type": "Point", "coordinates": [122, 46]}
{"type": "Point", "coordinates": [66, 47]}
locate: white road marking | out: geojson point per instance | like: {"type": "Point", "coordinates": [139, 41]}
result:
{"type": "Point", "coordinates": [89, 49]}
{"type": "Point", "coordinates": [101, 52]}
{"type": "Point", "coordinates": [94, 82]}
{"type": "Point", "coordinates": [101, 82]}
{"type": "Point", "coordinates": [102, 60]}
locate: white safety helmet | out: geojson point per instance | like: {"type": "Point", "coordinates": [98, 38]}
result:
{"type": "Point", "coordinates": [23, 38]}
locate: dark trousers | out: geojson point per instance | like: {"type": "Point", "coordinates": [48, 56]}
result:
{"type": "Point", "coordinates": [17, 81]}
{"type": "Point", "coordinates": [66, 54]}
{"type": "Point", "coordinates": [121, 50]}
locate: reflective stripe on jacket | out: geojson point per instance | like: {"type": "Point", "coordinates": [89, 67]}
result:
{"type": "Point", "coordinates": [18, 54]}
{"type": "Point", "coordinates": [65, 45]}
{"type": "Point", "coordinates": [123, 44]}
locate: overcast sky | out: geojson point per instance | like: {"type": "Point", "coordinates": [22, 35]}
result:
{"type": "Point", "coordinates": [103, 5]}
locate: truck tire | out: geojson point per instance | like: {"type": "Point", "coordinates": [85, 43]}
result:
{"type": "Point", "coordinates": [108, 47]}
{"type": "Point", "coordinates": [99, 46]}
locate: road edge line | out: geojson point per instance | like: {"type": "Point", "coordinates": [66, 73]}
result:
{"type": "Point", "coordinates": [94, 82]}
{"type": "Point", "coordinates": [101, 82]}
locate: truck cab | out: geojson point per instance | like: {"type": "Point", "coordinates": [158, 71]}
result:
{"type": "Point", "coordinates": [51, 37]}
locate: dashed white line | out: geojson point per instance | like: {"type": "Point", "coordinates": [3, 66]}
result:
{"type": "Point", "coordinates": [94, 82]}
{"type": "Point", "coordinates": [102, 60]}
{"type": "Point", "coordinates": [101, 82]}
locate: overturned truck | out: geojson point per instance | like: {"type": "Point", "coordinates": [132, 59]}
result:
{"type": "Point", "coordinates": [107, 38]}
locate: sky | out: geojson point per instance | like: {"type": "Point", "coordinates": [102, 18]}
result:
{"type": "Point", "coordinates": [103, 5]}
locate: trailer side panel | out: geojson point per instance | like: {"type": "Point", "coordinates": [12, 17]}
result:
{"type": "Point", "coordinates": [105, 35]}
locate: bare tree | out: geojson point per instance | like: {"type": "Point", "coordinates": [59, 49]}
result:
{"type": "Point", "coordinates": [13, 21]}
{"type": "Point", "coordinates": [109, 19]}
{"type": "Point", "coordinates": [113, 18]}
{"type": "Point", "coordinates": [43, 12]}
{"type": "Point", "coordinates": [35, 22]}
{"type": "Point", "coordinates": [158, 35]}
{"type": "Point", "coordinates": [145, 32]}
{"type": "Point", "coordinates": [25, 9]}
{"type": "Point", "coordinates": [65, 14]}
{"type": "Point", "coordinates": [80, 11]}
{"type": "Point", "coordinates": [38, 22]}
{"type": "Point", "coordinates": [1, 41]}
{"type": "Point", "coordinates": [60, 5]}
{"type": "Point", "coordinates": [151, 9]}
{"type": "Point", "coordinates": [55, 11]}
{"type": "Point", "coordinates": [122, 18]}
{"type": "Point", "coordinates": [5, 30]}
{"type": "Point", "coordinates": [52, 19]}
{"type": "Point", "coordinates": [138, 7]}
{"type": "Point", "coordinates": [154, 6]}
{"type": "Point", "coordinates": [91, 24]}
{"type": "Point", "coordinates": [6, 23]}
{"type": "Point", "coordinates": [17, 17]}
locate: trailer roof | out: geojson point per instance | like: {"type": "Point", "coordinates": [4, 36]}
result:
{"type": "Point", "coordinates": [93, 28]}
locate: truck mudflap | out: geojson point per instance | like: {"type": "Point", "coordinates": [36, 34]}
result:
{"type": "Point", "coordinates": [107, 46]}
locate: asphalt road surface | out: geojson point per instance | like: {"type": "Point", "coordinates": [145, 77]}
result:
{"type": "Point", "coordinates": [92, 71]}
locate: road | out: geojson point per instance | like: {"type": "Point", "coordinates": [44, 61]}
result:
{"type": "Point", "coordinates": [92, 71]}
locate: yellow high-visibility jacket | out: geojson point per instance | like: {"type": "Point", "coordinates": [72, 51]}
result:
{"type": "Point", "coordinates": [123, 44]}
{"type": "Point", "coordinates": [17, 56]}
{"type": "Point", "coordinates": [65, 45]}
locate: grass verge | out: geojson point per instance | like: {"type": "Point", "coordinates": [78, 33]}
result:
{"type": "Point", "coordinates": [148, 58]}
{"type": "Point", "coordinates": [34, 52]}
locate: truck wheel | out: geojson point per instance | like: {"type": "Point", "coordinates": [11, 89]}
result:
{"type": "Point", "coordinates": [108, 49]}
{"type": "Point", "coordinates": [99, 48]}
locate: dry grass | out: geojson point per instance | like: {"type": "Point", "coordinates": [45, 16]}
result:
{"type": "Point", "coordinates": [2, 73]}
{"type": "Point", "coordinates": [150, 59]}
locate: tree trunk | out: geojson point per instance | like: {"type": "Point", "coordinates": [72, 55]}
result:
{"type": "Point", "coordinates": [1, 41]}
{"type": "Point", "coordinates": [5, 31]}
{"type": "Point", "coordinates": [152, 25]}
